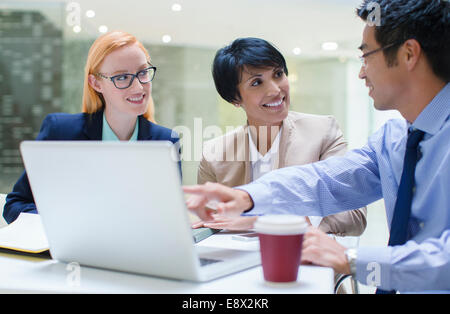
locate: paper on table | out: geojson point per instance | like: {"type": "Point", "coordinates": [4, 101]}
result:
{"type": "Point", "coordinates": [25, 234]}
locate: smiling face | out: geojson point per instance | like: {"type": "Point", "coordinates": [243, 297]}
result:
{"type": "Point", "coordinates": [385, 83]}
{"type": "Point", "coordinates": [264, 95]}
{"type": "Point", "coordinates": [132, 101]}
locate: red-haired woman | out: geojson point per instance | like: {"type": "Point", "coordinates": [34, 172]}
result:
{"type": "Point", "coordinates": [117, 105]}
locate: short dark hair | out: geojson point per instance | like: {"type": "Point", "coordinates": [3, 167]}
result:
{"type": "Point", "coordinates": [427, 21]}
{"type": "Point", "coordinates": [230, 61]}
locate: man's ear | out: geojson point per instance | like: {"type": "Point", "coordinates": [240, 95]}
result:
{"type": "Point", "coordinates": [412, 53]}
{"type": "Point", "coordinates": [94, 83]}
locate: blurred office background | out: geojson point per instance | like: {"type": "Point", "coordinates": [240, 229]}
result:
{"type": "Point", "coordinates": [44, 45]}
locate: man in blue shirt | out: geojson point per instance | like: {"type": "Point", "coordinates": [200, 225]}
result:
{"type": "Point", "coordinates": [406, 66]}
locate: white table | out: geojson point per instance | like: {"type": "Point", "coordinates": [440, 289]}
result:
{"type": "Point", "coordinates": [22, 274]}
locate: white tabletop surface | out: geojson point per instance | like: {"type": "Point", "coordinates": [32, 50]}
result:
{"type": "Point", "coordinates": [22, 274]}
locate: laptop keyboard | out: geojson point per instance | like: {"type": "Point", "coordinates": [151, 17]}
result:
{"type": "Point", "coordinates": [208, 261]}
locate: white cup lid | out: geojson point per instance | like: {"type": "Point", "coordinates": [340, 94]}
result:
{"type": "Point", "coordinates": [281, 224]}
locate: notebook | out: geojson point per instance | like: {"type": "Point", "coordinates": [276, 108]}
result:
{"type": "Point", "coordinates": [24, 235]}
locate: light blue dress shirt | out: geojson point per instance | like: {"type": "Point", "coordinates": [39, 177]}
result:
{"type": "Point", "coordinates": [373, 172]}
{"type": "Point", "coordinates": [109, 135]}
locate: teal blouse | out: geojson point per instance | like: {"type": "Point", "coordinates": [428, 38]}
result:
{"type": "Point", "coordinates": [108, 134]}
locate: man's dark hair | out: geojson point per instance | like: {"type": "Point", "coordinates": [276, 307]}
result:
{"type": "Point", "coordinates": [427, 21]}
{"type": "Point", "coordinates": [230, 61]}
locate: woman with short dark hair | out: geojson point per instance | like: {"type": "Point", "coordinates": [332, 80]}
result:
{"type": "Point", "coordinates": [252, 74]}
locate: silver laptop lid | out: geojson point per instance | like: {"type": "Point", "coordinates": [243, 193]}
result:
{"type": "Point", "coordinates": [116, 205]}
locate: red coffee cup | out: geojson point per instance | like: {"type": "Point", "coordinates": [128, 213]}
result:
{"type": "Point", "coordinates": [280, 240]}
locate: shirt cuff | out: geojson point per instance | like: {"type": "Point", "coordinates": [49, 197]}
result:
{"type": "Point", "coordinates": [373, 267]}
{"type": "Point", "coordinates": [254, 190]}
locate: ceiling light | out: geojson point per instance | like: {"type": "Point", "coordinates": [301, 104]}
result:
{"type": "Point", "coordinates": [90, 13]}
{"type": "Point", "coordinates": [330, 46]}
{"type": "Point", "coordinates": [297, 51]}
{"type": "Point", "coordinates": [176, 7]}
{"type": "Point", "coordinates": [76, 29]}
{"type": "Point", "coordinates": [103, 29]}
{"type": "Point", "coordinates": [166, 39]}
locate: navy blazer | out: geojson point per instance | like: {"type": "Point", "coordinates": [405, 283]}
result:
{"type": "Point", "coordinates": [78, 127]}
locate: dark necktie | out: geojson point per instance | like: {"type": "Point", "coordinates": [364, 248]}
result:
{"type": "Point", "coordinates": [402, 211]}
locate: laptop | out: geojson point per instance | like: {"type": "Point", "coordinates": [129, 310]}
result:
{"type": "Point", "coordinates": [120, 206]}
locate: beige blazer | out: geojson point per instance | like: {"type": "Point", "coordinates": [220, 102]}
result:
{"type": "Point", "coordinates": [305, 138]}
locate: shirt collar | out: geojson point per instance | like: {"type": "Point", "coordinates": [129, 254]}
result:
{"type": "Point", "coordinates": [433, 117]}
{"type": "Point", "coordinates": [109, 135]}
{"type": "Point", "coordinates": [255, 155]}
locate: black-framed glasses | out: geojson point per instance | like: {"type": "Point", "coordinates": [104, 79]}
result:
{"type": "Point", "coordinates": [364, 56]}
{"type": "Point", "coordinates": [122, 81]}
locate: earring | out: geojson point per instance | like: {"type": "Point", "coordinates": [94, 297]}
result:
{"type": "Point", "coordinates": [237, 105]}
